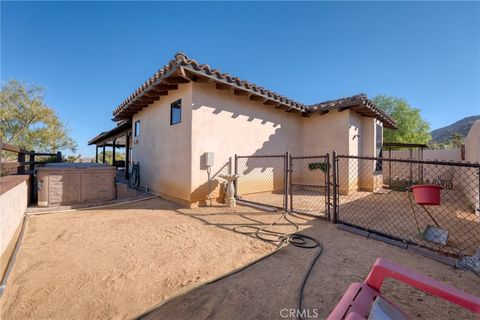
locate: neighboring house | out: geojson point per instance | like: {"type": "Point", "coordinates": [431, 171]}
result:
{"type": "Point", "coordinates": [186, 109]}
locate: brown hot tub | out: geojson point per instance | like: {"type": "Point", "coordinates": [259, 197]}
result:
{"type": "Point", "coordinates": [71, 183]}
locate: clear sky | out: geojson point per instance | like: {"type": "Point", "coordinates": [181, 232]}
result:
{"type": "Point", "coordinates": [91, 55]}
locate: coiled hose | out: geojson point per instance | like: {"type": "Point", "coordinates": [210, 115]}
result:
{"type": "Point", "coordinates": [296, 239]}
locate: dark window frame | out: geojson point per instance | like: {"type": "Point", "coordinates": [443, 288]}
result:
{"type": "Point", "coordinates": [136, 129]}
{"type": "Point", "coordinates": [176, 107]}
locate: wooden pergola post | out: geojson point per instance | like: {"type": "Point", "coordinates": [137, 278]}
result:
{"type": "Point", "coordinates": [103, 160]}
{"type": "Point", "coordinates": [96, 154]}
{"type": "Point", "coordinates": [127, 156]}
{"type": "Point", "coordinates": [113, 151]}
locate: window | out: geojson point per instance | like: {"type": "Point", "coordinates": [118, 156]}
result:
{"type": "Point", "coordinates": [176, 112]}
{"type": "Point", "coordinates": [378, 147]}
{"type": "Point", "coordinates": [137, 128]}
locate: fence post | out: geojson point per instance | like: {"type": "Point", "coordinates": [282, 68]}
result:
{"type": "Point", "coordinates": [32, 162]}
{"type": "Point", "coordinates": [389, 167]}
{"type": "Point", "coordinates": [21, 158]}
{"type": "Point", "coordinates": [59, 157]}
{"type": "Point", "coordinates": [327, 185]}
{"type": "Point", "coordinates": [32, 176]}
{"type": "Point", "coordinates": [286, 179]}
{"type": "Point", "coordinates": [290, 169]}
{"type": "Point", "coordinates": [236, 172]}
{"type": "Point", "coordinates": [335, 205]}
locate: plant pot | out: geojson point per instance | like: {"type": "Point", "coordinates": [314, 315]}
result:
{"type": "Point", "coordinates": [427, 195]}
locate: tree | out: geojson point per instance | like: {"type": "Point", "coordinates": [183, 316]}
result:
{"type": "Point", "coordinates": [72, 158]}
{"type": "Point", "coordinates": [26, 121]}
{"type": "Point", "coordinates": [456, 140]}
{"type": "Point", "coordinates": [412, 128]}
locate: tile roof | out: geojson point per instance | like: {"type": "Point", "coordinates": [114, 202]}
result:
{"type": "Point", "coordinates": [356, 102]}
{"type": "Point", "coordinates": [183, 67]}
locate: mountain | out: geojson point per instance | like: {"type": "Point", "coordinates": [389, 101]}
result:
{"type": "Point", "coordinates": [461, 126]}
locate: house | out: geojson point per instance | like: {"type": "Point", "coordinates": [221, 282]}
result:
{"type": "Point", "coordinates": [186, 109]}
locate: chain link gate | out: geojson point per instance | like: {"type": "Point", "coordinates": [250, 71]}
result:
{"type": "Point", "coordinates": [309, 185]}
{"type": "Point", "coordinates": [299, 184]}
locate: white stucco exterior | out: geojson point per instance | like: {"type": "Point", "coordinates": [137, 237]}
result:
{"type": "Point", "coordinates": [218, 121]}
{"type": "Point", "coordinates": [14, 202]}
{"type": "Point", "coordinates": [164, 150]}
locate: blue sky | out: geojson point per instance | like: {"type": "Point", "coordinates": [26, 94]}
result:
{"type": "Point", "coordinates": [91, 55]}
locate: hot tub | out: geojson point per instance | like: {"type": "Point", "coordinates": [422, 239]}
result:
{"type": "Point", "coordinates": [72, 183]}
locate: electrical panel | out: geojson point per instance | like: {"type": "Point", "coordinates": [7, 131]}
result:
{"type": "Point", "coordinates": [208, 159]}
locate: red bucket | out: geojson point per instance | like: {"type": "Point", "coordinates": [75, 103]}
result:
{"type": "Point", "coordinates": [427, 195]}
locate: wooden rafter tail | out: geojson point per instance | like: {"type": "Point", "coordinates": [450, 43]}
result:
{"type": "Point", "coordinates": [254, 97]}
{"type": "Point", "coordinates": [176, 80]}
{"type": "Point", "coordinates": [222, 86]}
{"type": "Point", "coordinates": [165, 87]}
{"type": "Point", "coordinates": [239, 92]}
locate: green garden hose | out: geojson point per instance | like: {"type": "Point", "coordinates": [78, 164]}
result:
{"type": "Point", "coordinates": [296, 239]}
{"type": "Point", "coordinates": [134, 179]}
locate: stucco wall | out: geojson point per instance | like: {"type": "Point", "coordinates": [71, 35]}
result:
{"type": "Point", "coordinates": [428, 154]}
{"type": "Point", "coordinates": [227, 125]}
{"type": "Point", "coordinates": [361, 141]}
{"type": "Point", "coordinates": [321, 135]}
{"type": "Point", "coordinates": [217, 121]}
{"type": "Point", "coordinates": [13, 204]}
{"type": "Point", "coordinates": [164, 150]}
{"type": "Point", "coordinates": [418, 172]}
{"type": "Point", "coordinates": [369, 179]}
{"type": "Point", "coordinates": [472, 143]}
{"type": "Point", "coordinates": [472, 154]}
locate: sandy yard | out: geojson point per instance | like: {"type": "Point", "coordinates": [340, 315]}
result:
{"type": "Point", "coordinates": [389, 212]}
{"type": "Point", "coordinates": [117, 262]}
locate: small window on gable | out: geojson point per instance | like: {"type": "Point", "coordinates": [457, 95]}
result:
{"type": "Point", "coordinates": [137, 128]}
{"type": "Point", "coordinates": [176, 112]}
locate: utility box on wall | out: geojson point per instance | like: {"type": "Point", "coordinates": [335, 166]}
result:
{"type": "Point", "coordinates": [208, 159]}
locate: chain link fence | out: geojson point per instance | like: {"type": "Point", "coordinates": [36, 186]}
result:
{"type": "Point", "coordinates": [374, 194]}
{"type": "Point", "coordinates": [263, 180]}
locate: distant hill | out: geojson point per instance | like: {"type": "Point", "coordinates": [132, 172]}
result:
{"type": "Point", "coordinates": [461, 126]}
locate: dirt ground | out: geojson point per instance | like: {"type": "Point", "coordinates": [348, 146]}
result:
{"type": "Point", "coordinates": [389, 212]}
{"type": "Point", "coordinates": [118, 262]}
